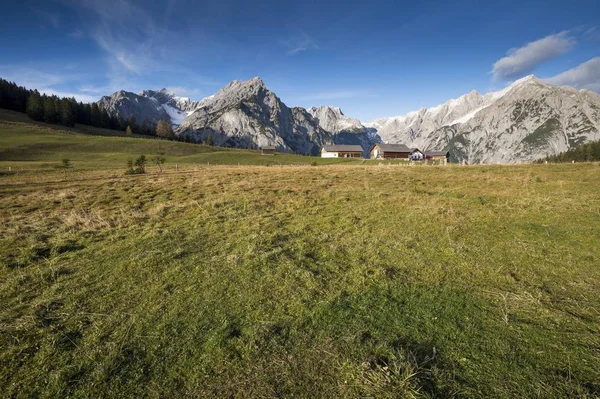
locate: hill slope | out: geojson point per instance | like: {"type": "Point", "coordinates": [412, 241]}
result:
{"type": "Point", "coordinates": [24, 142]}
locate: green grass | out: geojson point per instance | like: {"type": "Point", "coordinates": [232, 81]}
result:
{"type": "Point", "coordinates": [299, 281]}
{"type": "Point", "coordinates": [33, 145]}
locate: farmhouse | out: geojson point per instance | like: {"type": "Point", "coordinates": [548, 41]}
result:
{"type": "Point", "coordinates": [269, 150]}
{"type": "Point", "coordinates": [437, 155]}
{"type": "Point", "coordinates": [341, 151]}
{"type": "Point", "coordinates": [416, 155]}
{"type": "Point", "coordinates": [392, 151]}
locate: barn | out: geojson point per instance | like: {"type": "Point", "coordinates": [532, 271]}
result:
{"type": "Point", "coordinates": [437, 155]}
{"type": "Point", "coordinates": [391, 151]}
{"type": "Point", "coordinates": [341, 151]}
{"type": "Point", "coordinates": [269, 150]}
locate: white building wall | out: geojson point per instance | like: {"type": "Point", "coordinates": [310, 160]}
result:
{"type": "Point", "coordinates": [325, 154]}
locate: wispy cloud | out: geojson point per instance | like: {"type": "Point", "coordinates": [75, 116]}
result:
{"type": "Point", "coordinates": [183, 91]}
{"type": "Point", "coordinates": [95, 90]}
{"type": "Point", "coordinates": [299, 43]}
{"type": "Point", "coordinates": [45, 82]}
{"type": "Point", "coordinates": [592, 34]}
{"type": "Point", "coordinates": [77, 96]}
{"type": "Point", "coordinates": [523, 60]}
{"type": "Point", "coordinates": [133, 40]}
{"type": "Point", "coordinates": [583, 76]}
{"type": "Point", "coordinates": [32, 78]}
{"type": "Point", "coordinates": [126, 32]}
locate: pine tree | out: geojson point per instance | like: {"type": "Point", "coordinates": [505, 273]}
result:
{"type": "Point", "coordinates": [164, 130]}
{"type": "Point", "coordinates": [121, 124]}
{"type": "Point", "coordinates": [104, 119]}
{"type": "Point", "coordinates": [86, 114]}
{"type": "Point", "coordinates": [152, 130]}
{"type": "Point", "coordinates": [144, 128]}
{"type": "Point", "coordinates": [128, 131]}
{"type": "Point", "coordinates": [35, 107]}
{"type": "Point", "coordinates": [95, 115]}
{"type": "Point", "coordinates": [132, 124]}
{"type": "Point", "coordinates": [12, 96]}
{"type": "Point", "coordinates": [67, 117]}
{"type": "Point", "coordinates": [209, 140]}
{"type": "Point", "coordinates": [50, 114]}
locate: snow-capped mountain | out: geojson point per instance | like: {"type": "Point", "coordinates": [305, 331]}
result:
{"type": "Point", "coordinates": [149, 105]}
{"type": "Point", "coordinates": [408, 127]}
{"type": "Point", "coordinates": [527, 120]}
{"type": "Point", "coordinates": [247, 114]}
{"type": "Point", "coordinates": [523, 122]}
{"type": "Point", "coordinates": [178, 108]}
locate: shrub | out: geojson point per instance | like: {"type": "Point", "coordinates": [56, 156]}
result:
{"type": "Point", "coordinates": [136, 167]}
{"type": "Point", "coordinates": [66, 163]}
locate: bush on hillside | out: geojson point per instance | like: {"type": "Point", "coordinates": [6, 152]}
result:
{"type": "Point", "coordinates": [136, 167]}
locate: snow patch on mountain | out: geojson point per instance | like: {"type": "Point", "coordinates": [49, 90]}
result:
{"type": "Point", "coordinates": [176, 116]}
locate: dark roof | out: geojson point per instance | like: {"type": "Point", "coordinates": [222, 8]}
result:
{"type": "Point", "coordinates": [394, 148]}
{"type": "Point", "coordinates": [269, 148]}
{"type": "Point", "coordinates": [435, 153]}
{"type": "Point", "coordinates": [342, 148]}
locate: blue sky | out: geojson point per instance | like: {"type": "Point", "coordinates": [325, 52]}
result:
{"type": "Point", "coordinates": [371, 58]}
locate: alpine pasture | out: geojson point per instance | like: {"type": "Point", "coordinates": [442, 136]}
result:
{"type": "Point", "coordinates": [241, 275]}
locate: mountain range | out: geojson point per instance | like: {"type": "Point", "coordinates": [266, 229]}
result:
{"type": "Point", "coordinates": [527, 120]}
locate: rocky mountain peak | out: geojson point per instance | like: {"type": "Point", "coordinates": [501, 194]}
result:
{"type": "Point", "coordinates": [121, 94]}
{"type": "Point", "coordinates": [333, 120]}
{"type": "Point", "coordinates": [246, 113]}
{"type": "Point", "coordinates": [256, 81]}
{"type": "Point", "coordinates": [528, 80]}
{"type": "Point", "coordinates": [127, 104]}
{"type": "Point", "coordinates": [327, 109]}
{"type": "Point", "coordinates": [248, 85]}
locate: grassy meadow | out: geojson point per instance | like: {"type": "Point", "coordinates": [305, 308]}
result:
{"type": "Point", "coordinates": [39, 147]}
{"type": "Point", "coordinates": [342, 280]}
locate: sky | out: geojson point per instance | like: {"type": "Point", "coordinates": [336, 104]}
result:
{"type": "Point", "coordinates": [371, 58]}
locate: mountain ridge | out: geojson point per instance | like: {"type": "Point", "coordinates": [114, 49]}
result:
{"type": "Point", "coordinates": [494, 127]}
{"type": "Point", "coordinates": [524, 121]}
{"type": "Point", "coordinates": [248, 114]}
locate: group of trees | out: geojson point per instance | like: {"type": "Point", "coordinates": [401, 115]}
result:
{"type": "Point", "coordinates": [195, 140]}
{"type": "Point", "coordinates": [12, 96]}
{"type": "Point", "coordinates": [584, 153]}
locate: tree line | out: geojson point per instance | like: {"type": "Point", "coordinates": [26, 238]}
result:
{"type": "Point", "coordinates": [67, 112]}
{"type": "Point", "coordinates": [588, 152]}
